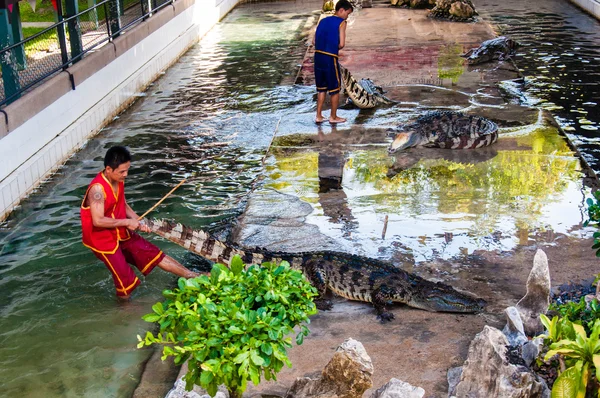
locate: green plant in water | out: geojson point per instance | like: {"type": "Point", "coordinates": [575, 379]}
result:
{"type": "Point", "coordinates": [581, 355]}
{"type": "Point", "coordinates": [233, 326]}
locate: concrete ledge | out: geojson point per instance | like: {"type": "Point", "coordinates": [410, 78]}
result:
{"type": "Point", "coordinates": [591, 6]}
{"type": "Point", "coordinates": [181, 5]}
{"type": "Point", "coordinates": [128, 39]}
{"type": "Point", "coordinates": [31, 103]}
{"type": "Point", "coordinates": [92, 63]}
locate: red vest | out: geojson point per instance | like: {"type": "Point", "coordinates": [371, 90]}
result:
{"type": "Point", "coordinates": [104, 240]}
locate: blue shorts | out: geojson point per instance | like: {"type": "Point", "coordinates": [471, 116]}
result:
{"type": "Point", "coordinates": [327, 74]}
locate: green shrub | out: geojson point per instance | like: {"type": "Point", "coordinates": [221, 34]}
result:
{"type": "Point", "coordinates": [581, 357]}
{"type": "Point", "coordinates": [579, 312]}
{"type": "Point", "coordinates": [233, 326]}
{"type": "Point", "coordinates": [594, 218]}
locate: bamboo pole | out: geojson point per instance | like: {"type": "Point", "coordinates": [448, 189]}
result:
{"type": "Point", "coordinates": [160, 201]}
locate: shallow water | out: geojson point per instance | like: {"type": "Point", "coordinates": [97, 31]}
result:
{"type": "Point", "coordinates": [438, 203]}
{"type": "Point", "coordinates": [560, 59]}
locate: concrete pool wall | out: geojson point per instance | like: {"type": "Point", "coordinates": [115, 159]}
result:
{"type": "Point", "coordinates": [591, 6]}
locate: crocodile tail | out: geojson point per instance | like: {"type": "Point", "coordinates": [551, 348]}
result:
{"type": "Point", "coordinates": [198, 241]}
{"type": "Point", "coordinates": [359, 96]}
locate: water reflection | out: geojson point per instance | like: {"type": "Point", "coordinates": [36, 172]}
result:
{"type": "Point", "coordinates": [440, 202]}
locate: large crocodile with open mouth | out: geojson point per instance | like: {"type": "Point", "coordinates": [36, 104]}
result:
{"type": "Point", "coordinates": [364, 94]}
{"type": "Point", "coordinates": [446, 129]}
{"type": "Point", "coordinates": [350, 276]}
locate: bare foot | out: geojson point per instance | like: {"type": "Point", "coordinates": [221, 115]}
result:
{"type": "Point", "coordinates": [319, 119]}
{"type": "Point", "coordinates": [337, 120]}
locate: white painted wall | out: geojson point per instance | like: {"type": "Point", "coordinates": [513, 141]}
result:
{"type": "Point", "coordinates": [591, 6]}
{"type": "Point", "coordinates": [39, 146]}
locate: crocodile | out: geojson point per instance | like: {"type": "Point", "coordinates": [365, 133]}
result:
{"type": "Point", "coordinates": [500, 48]}
{"type": "Point", "coordinates": [350, 276]}
{"type": "Point", "coordinates": [446, 129]}
{"type": "Point", "coordinates": [364, 94]}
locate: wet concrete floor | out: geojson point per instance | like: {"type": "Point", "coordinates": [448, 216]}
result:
{"type": "Point", "coordinates": [472, 219]}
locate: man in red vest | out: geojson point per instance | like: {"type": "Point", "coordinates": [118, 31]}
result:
{"type": "Point", "coordinates": [108, 225]}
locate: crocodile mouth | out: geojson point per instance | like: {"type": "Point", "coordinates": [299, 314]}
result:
{"type": "Point", "coordinates": [402, 141]}
{"type": "Point", "coordinates": [437, 299]}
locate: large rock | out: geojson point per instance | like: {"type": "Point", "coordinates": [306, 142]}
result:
{"type": "Point", "coordinates": [487, 372]}
{"type": "Point", "coordinates": [455, 10]}
{"type": "Point", "coordinates": [537, 298]}
{"type": "Point", "coordinates": [347, 375]}
{"type": "Point", "coordinates": [398, 389]}
{"type": "Point", "coordinates": [461, 10]}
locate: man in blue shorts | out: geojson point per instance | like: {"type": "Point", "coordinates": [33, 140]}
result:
{"type": "Point", "coordinates": [330, 37]}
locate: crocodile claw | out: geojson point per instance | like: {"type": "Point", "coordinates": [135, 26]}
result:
{"type": "Point", "coordinates": [324, 305]}
{"type": "Point", "coordinates": [385, 316]}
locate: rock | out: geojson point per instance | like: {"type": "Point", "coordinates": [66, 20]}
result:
{"type": "Point", "coordinates": [179, 391]}
{"type": "Point", "coordinates": [398, 389]}
{"type": "Point", "coordinates": [419, 3]}
{"type": "Point", "coordinates": [347, 375]}
{"type": "Point", "coordinates": [454, 375]}
{"type": "Point", "coordinates": [531, 350]}
{"type": "Point", "coordinates": [514, 327]}
{"type": "Point", "coordinates": [537, 298]}
{"type": "Point", "coordinates": [487, 373]}
{"type": "Point", "coordinates": [456, 10]}
{"type": "Point", "coordinates": [461, 10]}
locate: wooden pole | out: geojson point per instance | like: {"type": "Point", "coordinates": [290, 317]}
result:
{"type": "Point", "coordinates": [385, 223]}
{"type": "Point", "coordinates": [160, 201]}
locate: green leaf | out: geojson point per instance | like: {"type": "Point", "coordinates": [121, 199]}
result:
{"type": "Point", "coordinates": [235, 330]}
{"type": "Point", "coordinates": [151, 317]}
{"type": "Point", "coordinates": [241, 357]}
{"type": "Point", "coordinates": [299, 338]}
{"type": "Point", "coordinates": [158, 308]}
{"type": "Point", "coordinates": [266, 348]}
{"type": "Point", "coordinates": [254, 375]}
{"type": "Point", "coordinates": [212, 389]}
{"type": "Point", "coordinates": [567, 384]}
{"type": "Point", "coordinates": [256, 358]}
{"type": "Point", "coordinates": [206, 377]}
{"type": "Point", "coordinates": [237, 266]}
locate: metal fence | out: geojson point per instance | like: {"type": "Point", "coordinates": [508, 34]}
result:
{"type": "Point", "coordinates": [32, 60]}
